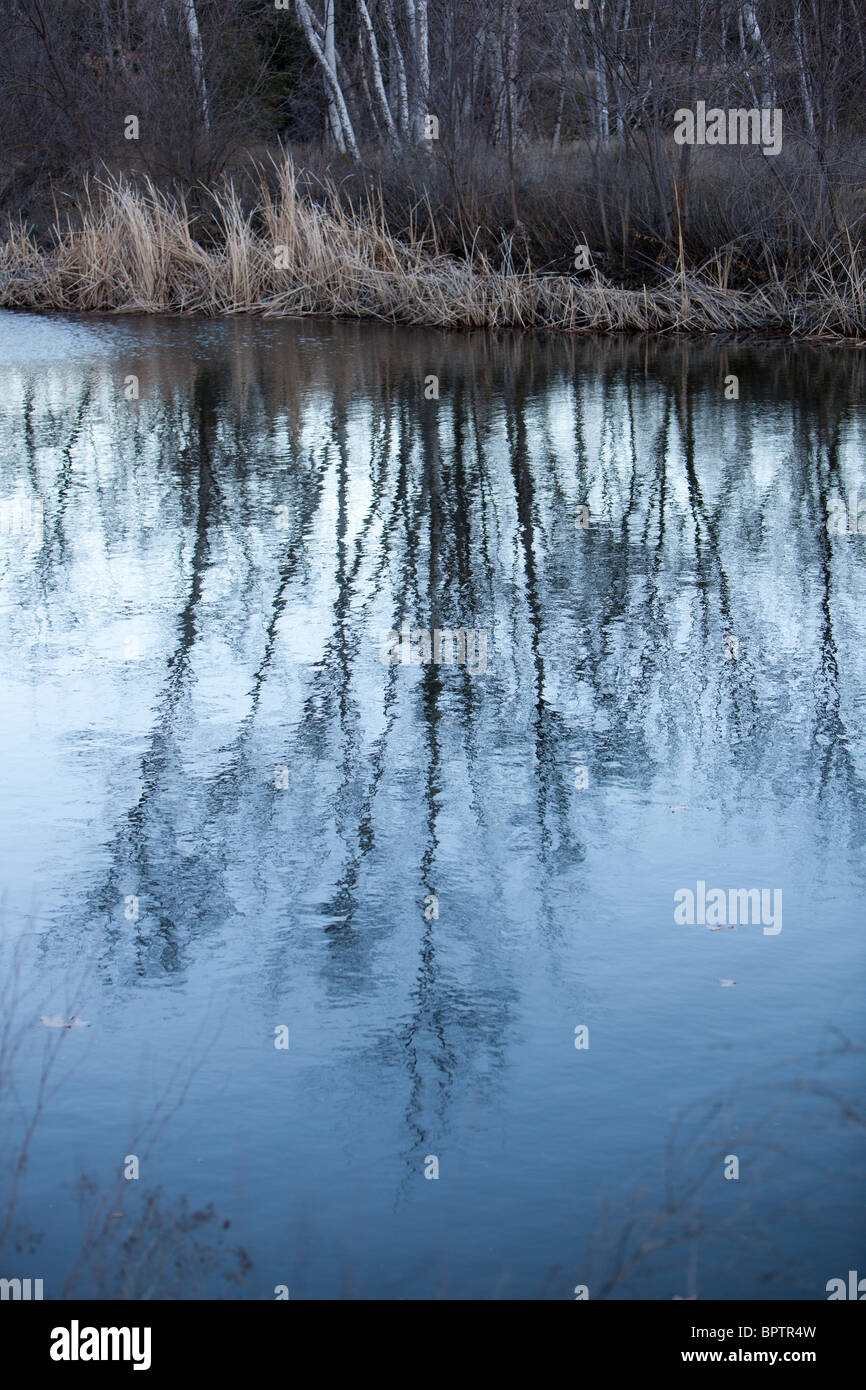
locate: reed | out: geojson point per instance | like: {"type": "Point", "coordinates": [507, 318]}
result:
{"type": "Point", "coordinates": [135, 249]}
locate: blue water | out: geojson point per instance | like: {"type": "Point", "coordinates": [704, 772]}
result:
{"type": "Point", "coordinates": [223, 814]}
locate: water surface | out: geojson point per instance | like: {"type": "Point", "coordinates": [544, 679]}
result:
{"type": "Point", "coordinates": [225, 814]}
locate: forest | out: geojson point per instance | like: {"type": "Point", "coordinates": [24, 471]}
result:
{"type": "Point", "coordinates": [496, 142]}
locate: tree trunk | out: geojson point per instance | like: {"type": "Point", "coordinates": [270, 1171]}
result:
{"type": "Point", "coordinates": [805, 93]}
{"type": "Point", "coordinates": [197, 55]}
{"type": "Point", "coordinates": [344, 132]}
{"type": "Point", "coordinates": [376, 66]}
{"type": "Point", "coordinates": [398, 70]}
{"type": "Point", "coordinates": [331, 60]}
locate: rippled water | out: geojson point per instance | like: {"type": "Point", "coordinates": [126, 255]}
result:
{"type": "Point", "coordinates": [225, 814]}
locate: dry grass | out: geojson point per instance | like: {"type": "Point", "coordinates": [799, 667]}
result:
{"type": "Point", "coordinates": [134, 249]}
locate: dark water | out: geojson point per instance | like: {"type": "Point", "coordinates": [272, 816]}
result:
{"type": "Point", "coordinates": [225, 814]}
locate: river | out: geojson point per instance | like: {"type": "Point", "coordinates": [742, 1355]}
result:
{"type": "Point", "coordinates": [393, 724]}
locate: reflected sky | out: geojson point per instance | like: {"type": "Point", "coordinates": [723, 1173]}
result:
{"type": "Point", "coordinates": [224, 812]}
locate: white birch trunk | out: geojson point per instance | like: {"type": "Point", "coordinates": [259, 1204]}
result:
{"type": "Point", "coordinates": [398, 70]}
{"type": "Point", "coordinates": [331, 60]}
{"type": "Point", "coordinates": [416, 14]}
{"type": "Point", "coordinates": [602, 110]}
{"type": "Point", "coordinates": [344, 132]}
{"type": "Point", "coordinates": [805, 93]}
{"type": "Point", "coordinates": [750, 20]}
{"type": "Point", "coordinates": [376, 66]}
{"type": "Point", "coordinates": [197, 55]}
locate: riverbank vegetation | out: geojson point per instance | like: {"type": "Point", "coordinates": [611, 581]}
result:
{"type": "Point", "coordinates": [493, 163]}
{"type": "Point", "coordinates": [135, 249]}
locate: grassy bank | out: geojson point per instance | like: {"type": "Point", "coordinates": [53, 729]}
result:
{"type": "Point", "coordinates": [133, 249]}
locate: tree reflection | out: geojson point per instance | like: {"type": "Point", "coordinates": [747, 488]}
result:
{"type": "Point", "coordinates": [607, 644]}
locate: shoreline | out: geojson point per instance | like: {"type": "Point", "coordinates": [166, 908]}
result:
{"type": "Point", "coordinates": [132, 250]}
{"type": "Point", "coordinates": [735, 337]}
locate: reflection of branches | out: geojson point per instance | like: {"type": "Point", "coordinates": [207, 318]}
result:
{"type": "Point", "coordinates": [14, 1029]}
{"type": "Point", "coordinates": [105, 1203]}
{"type": "Point", "coordinates": [453, 512]}
{"type": "Point", "coordinates": [692, 1162]}
{"type": "Point", "coordinates": [158, 1235]}
{"type": "Point", "coordinates": [172, 1252]}
{"type": "Point", "coordinates": [159, 763]}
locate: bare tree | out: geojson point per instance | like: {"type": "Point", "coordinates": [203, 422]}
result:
{"type": "Point", "coordinates": [197, 55]}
